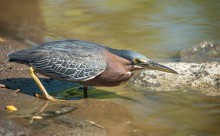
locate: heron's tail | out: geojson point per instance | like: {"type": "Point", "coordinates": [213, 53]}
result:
{"type": "Point", "coordinates": [18, 56]}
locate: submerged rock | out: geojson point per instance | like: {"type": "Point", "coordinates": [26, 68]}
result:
{"type": "Point", "coordinates": [204, 77]}
{"type": "Point", "coordinates": [64, 125]}
{"type": "Point", "coordinates": [203, 52]}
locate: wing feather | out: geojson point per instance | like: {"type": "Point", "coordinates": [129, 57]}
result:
{"type": "Point", "coordinates": [68, 66]}
{"type": "Point", "coordinates": [72, 60]}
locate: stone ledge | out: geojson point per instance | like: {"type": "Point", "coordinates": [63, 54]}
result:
{"type": "Point", "coordinates": [204, 77]}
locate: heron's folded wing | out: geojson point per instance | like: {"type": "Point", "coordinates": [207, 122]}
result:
{"type": "Point", "coordinates": [67, 65]}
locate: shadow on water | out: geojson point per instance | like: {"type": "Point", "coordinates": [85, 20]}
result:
{"type": "Point", "coordinates": [28, 86]}
{"type": "Point", "coordinates": [59, 89]}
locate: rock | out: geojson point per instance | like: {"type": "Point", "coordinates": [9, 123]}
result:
{"type": "Point", "coordinates": [204, 77]}
{"type": "Point", "coordinates": [2, 86]}
{"type": "Point", "coordinates": [203, 52]}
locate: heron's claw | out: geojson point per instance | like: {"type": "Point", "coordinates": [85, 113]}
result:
{"type": "Point", "coordinates": [51, 98]}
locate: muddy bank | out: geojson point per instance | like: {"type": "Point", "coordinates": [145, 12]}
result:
{"type": "Point", "coordinates": [82, 117]}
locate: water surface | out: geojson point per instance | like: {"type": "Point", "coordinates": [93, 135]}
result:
{"type": "Point", "coordinates": [155, 28]}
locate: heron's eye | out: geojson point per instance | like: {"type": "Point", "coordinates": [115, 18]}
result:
{"type": "Point", "coordinates": [136, 61]}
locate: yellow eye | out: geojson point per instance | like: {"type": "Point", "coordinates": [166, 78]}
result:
{"type": "Point", "coordinates": [136, 60]}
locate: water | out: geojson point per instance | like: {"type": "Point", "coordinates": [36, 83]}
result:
{"type": "Point", "coordinates": [172, 113]}
{"type": "Point", "coordinates": [157, 29]}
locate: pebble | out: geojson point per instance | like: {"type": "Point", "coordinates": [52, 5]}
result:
{"type": "Point", "coordinates": [2, 86]}
{"type": "Point", "coordinates": [11, 108]}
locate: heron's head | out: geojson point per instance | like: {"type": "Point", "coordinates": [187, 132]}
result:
{"type": "Point", "coordinates": [139, 61]}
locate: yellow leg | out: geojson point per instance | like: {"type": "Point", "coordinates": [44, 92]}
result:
{"type": "Point", "coordinates": [41, 87]}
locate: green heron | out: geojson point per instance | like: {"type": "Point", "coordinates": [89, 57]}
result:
{"type": "Point", "coordinates": [87, 63]}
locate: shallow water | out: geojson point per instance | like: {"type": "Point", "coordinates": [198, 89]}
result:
{"type": "Point", "coordinates": [157, 29]}
{"type": "Point", "coordinates": [172, 113]}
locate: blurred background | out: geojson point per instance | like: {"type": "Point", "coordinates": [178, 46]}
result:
{"type": "Point", "coordinates": [157, 29]}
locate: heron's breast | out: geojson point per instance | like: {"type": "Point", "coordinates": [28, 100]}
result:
{"type": "Point", "coordinates": [113, 79]}
{"type": "Point", "coordinates": [116, 72]}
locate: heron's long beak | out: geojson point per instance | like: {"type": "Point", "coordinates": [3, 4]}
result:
{"type": "Point", "coordinates": [156, 66]}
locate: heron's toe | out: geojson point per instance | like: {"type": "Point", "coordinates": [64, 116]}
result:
{"type": "Point", "coordinates": [50, 98]}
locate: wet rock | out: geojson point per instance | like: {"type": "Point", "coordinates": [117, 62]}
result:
{"type": "Point", "coordinates": [202, 73]}
{"type": "Point", "coordinates": [203, 52]}
{"type": "Point", "coordinates": [2, 86]}
{"type": "Point", "coordinates": [204, 77]}
{"type": "Point", "coordinates": [58, 112]}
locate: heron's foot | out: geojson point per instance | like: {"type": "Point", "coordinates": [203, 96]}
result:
{"type": "Point", "coordinates": [41, 87]}
{"type": "Point", "coordinates": [50, 98]}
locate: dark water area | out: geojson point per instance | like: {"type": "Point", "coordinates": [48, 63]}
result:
{"type": "Point", "coordinates": [157, 29]}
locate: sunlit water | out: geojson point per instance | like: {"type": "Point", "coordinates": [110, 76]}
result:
{"type": "Point", "coordinates": [157, 29]}
{"type": "Point", "coordinates": [171, 113]}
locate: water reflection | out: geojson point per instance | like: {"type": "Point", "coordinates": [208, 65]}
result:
{"type": "Point", "coordinates": [175, 113]}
